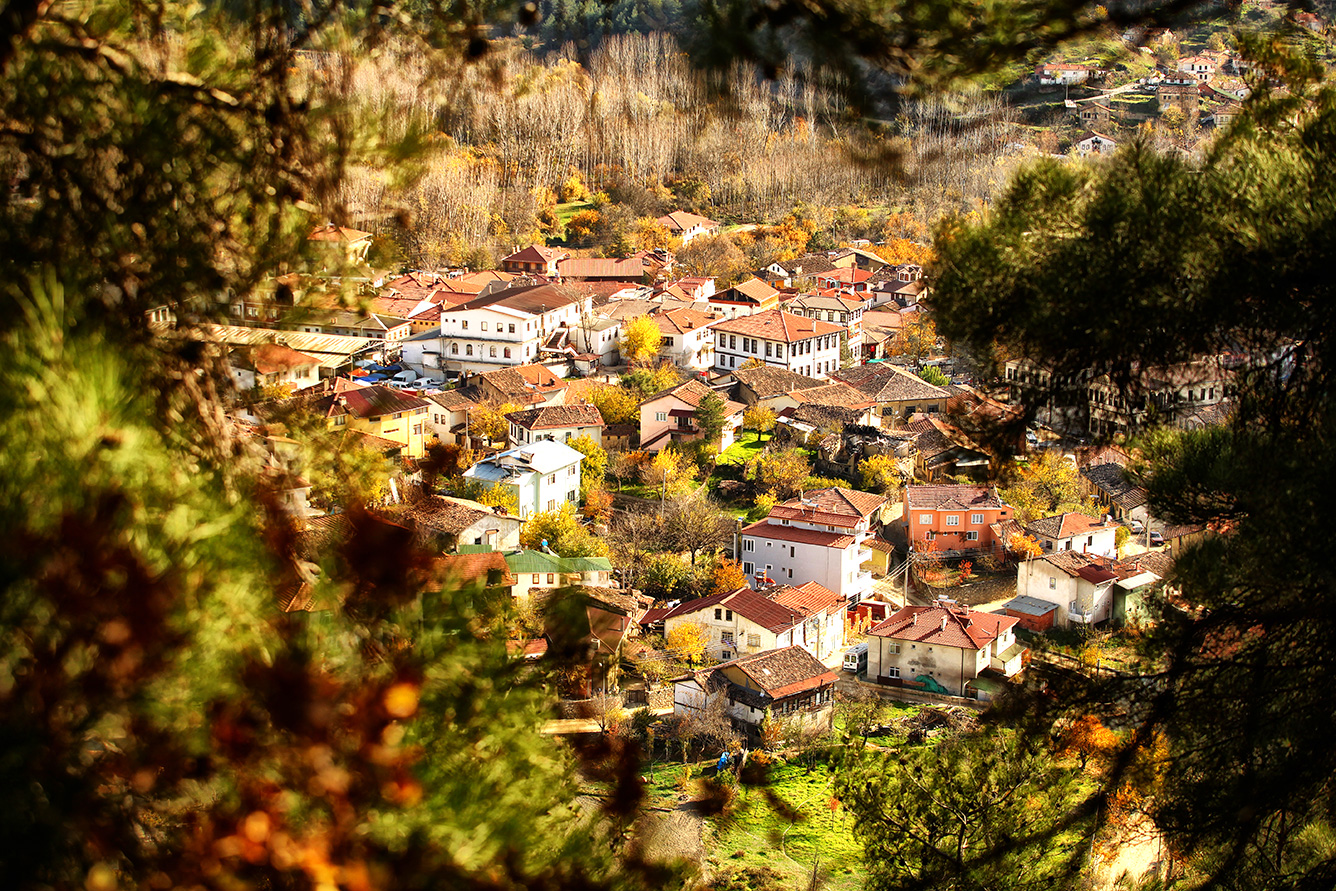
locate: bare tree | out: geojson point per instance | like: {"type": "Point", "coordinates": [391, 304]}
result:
{"type": "Point", "coordinates": [693, 523]}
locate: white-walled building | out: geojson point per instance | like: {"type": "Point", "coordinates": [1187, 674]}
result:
{"type": "Point", "coordinates": [685, 338]}
{"type": "Point", "coordinates": [780, 339]}
{"type": "Point", "coordinates": [543, 475]}
{"type": "Point", "coordinates": [819, 537]}
{"type": "Point", "coordinates": [1076, 532]}
{"type": "Point", "coordinates": [503, 328]}
{"type": "Point", "coordinates": [561, 423]}
{"type": "Point", "coordinates": [744, 621]}
{"type": "Point", "coordinates": [1081, 586]}
{"type": "Point", "coordinates": [272, 363]}
{"type": "Point", "coordinates": [941, 648]}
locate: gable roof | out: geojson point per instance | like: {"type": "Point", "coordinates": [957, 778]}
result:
{"type": "Point", "coordinates": [682, 320]}
{"type": "Point", "coordinates": [681, 221]}
{"type": "Point", "coordinates": [951, 497]}
{"type": "Point", "coordinates": [946, 626]}
{"type": "Point", "coordinates": [532, 299]}
{"type": "Point", "coordinates": [798, 535]}
{"type": "Point", "coordinates": [775, 324]}
{"type": "Point", "coordinates": [525, 382]}
{"type": "Point", "coordinates": [490, 566]}
{"type": "Point", "coordinates": [546, 417]}
{"type": "Point", "coordinates": [767, 381]}
{"type": "Point", "coordinates": [367, 402]}
{"type": "Point", "coordinates": [273, 358]}
{"type": "Point", "coordinates": [885, 382]}
{"type": "Point", "coordinates": [536, 253]}
{"type": "Point", "coordinates": [632, 269]}
{"type": "Point", "coordinates": [834, 393]}
{"type": "Point", "coordinates": [543, 456]}
{"type": "Point", "coordinates": [778, 673]}
{"type": "Point", "coordinates": [809, 598]}
{"type": "Point", "coordinates": [1067, 525]}
{"type": "Point", "coordinates": [753, 289]}
{"type": "Point", "coordinates": [343, 234]}
{"type": "Point", "coordinates": [523, 561]}
{"type": "Point", "coordinates": [1112, 481]}
{"type": "Point", "coordinates": [751, 605]}
{"type": "Point", "coordinates": [834, 506]}
{"type": "Point", "coordinates": [692, 392]}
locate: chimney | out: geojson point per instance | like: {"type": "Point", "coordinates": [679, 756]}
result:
{"type": "Point", "coordinates": [943, 623]}
{"type": "Point", "coordinates": [914, 619]}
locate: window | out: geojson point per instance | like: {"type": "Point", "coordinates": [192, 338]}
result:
{"type": "Point", "coordinates": [976, 519]}
{"type": "Point", "coordinates": [1052, 583]}
{"type": "Point", "coordinates": [570, 471]}
{"type": "Point", "coordinates": [506, 352]}
{"type": "Point", "coordinates": [484, 326]}
{"type": "Point", "coordinates": [748, 568]}
{"type": "Point", "coordinates": [793, 552]}
{"type": "Point", "coordinates": [753, 640]}
{"type": "Point", "coordinates": [340, 420]}
{"type": "Point", "coordinates": [732, 342]}
{"type": "Point", "coordinates": [417, 429]}
{"type": "Point", "coordinates": [718, 614]}
{"type": "Point", "coordinates": [570, 496]}
{"type": "Point", "coordinates": [748, 544]}
{"type": "Point", "coordinates": [667, 341]}
{"type": "Point", "coordinates": [510, 329]}
{"type": "Point", "coordinates": [925, 519]}
{"type": "Point", "coordinates": [454, 349]}
{"type": "Point", "coordinates": [552, 479]}
{"type": "Point", "coordinates": [661, 416]}
{"type": "Point", "coordinates": [972, 536]}
{"type": "Point", "coordinates": [464, 324]}
{"type": "Point", "coordinates": [537, 579]}
{"type": "Point", "coordinates": [551, 578]}
{"type": "Point", "coordinates": [492, 353]}
{"type": "Point", "coordinates": [726, 638]}
{"type": "Point", "coordinates": [551, 504]}
{"type": "Point", "coordinates": [790, 573]}
{"type": "Point", "coordinates": [953, 520]}
{"type": "Point", "coordinates": [892, 672]}
{"type": "Point", "coordinates": [468, 350]}
{"type": "Point", "coordinates": [767, 349]}
{"type": "Point", "coordinates": [728, 615]}
{"type": "Point", "coordinates": [892, 649]}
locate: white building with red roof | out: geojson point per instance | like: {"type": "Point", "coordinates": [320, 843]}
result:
{"type": "Point", "coordinates": [272, 363]}
{"type": "Point", "coordinates": [779, 339]}
{"type": "Point", "coordinates": [686, 226]}
{"type": "Point", "coordinates": [745, 621]}
{"type": "Point", "coordinates": [536, 259]}
{"type": "Point", "coordinates": [821, 536]}
{"type": "Point", "coordinates": [1074, 531]}
{"type": "Point", "coordinates": [941, 648]}
{"type": "Point", "coordinates": [685, 338]}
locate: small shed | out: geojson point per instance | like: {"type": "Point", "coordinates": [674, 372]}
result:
{"type": "Point", "coordinates": [1034, 614]}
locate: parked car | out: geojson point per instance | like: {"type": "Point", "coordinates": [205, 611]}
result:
{"type": "Point", "coordinates": [407, 376]}
{"type": "Point", "coordinates": [423, 384]}
{"type": "Point", "coordinates": [1156, 539]}
{"type": "Point", "coordinates": [1136, 526]}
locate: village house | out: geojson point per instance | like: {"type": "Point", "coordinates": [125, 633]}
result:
{"type": "Point", "coordinates": [445, 523]}
{"type": "Point", "coordinates": [941, 648]}
{"type": "Point", "coordinates": [536, 259]}
{"type": "Point", "coordinates": [544, 571]}
{"type": "Point", "coordinates": [821, 535]}
{"type": "Point", "coordinates": [1094, 114]}
{"type": "Point", "coordinates": [897, 393]}
{"type": "Point", "coordinates": [788, 684]}
{"type": "Point", "coordinates": [803, 346]}
{"type": "Point", "coordinates": [943, 450]}
{"type": "Point", "coordinates": [685, 338]}
{"type": "Point", "coordinates": [542, 475]}
{"type": "Point", "coordinates": [687, 226]}
{"type": "Point", "coordinates": [555, 422]}
{"type": "Point", "coordinates": [340, 245]}
{"type": "Point", "coordinates": [1108, 485]}
{"type": "Point", "coordinates": [448, 415]}
{"type": "Point", "coordinates": [1083, 588]}
{"type": "Point", "coordinates": [380, 412]}
{"type": "Point", "coordinates": [765, 385]}
{"type": "Point", "coordinates": [598, 335]}
{"type": "Point", "coordinates": [900, 286]}
{"type": "Point", "coordinates": [743, 299]}
{"type": "Point", "coordinates": [851, 280]}
{"type": "Point", "coordinates": [1092, 143]}
{"type": "Point", "coordinates": [670, 416]}
{"type": "Point", "coordinates": [1178, 92]}
{"type": "Point", "coordinates": [601, 269]}
{"type": "Point", "coordinates": [1160, 395]}
{"type": "Point", "coordinates": [838, 310]}
{"type": "Point", "coordinates": [745, 621]}
{"type": "Point", "coordinates": [954, 518]}
{"type": "Point", "coordinates": [527, 385]}
{"type": "Point", "coordinates": [346, 323]}
{"type": "Point", "coordinates": [1076, 532]}
{"type": "Point", "coordinates": [507, 327]}
{"type": "Point", "coordinates": [1201, 67]}
{"type": "Point", "coordinates": [271, 363]}
{"type": "Point", "coordinates": [1061, 73]}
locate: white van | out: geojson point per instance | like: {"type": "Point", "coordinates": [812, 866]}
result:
{"type": "Point", "coordinates": [407, 376]}
{"type": "Point", "coordinates": [855, 658]}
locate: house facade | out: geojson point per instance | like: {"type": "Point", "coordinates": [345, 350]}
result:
{"type": "Point", "coordinates": [545, 571]}
{"type": "Point", "coordinates": [897, 393]}
{"type": "Point", "coordinates": [779, 339]}
{"type": "Point", "coordinates": [1084, 588]}
{"type": "Point", "coordinates": [1076, 532]}
{"type": "Point", "coordinates": [941, 648]}
{"type": "Point", "coordinates": [687, 226]}
{"type": "Point", "coordinates": [822, 536]}
{"type": "Point", "coordinates": [561, 423]}
{"type": "Point", "coordinates": [381, 412]}
{"type": "Point", "coordinates": [536, 259]}
{"type": "Point", "coordinates": [954, 518]}
{"type": "Point", "coordinates": [785, 683]}
{"type": "Point", "coordinates": [685, 338]}
{"type": "Point", "coordinates": [542, 475]}
{"type": "Point", "coordinates": [670, 416]}
{"type": "Point", "coordinates": [745, 621]}
{"type": "Point", "coordinates": [507, 327]}
{"type": "Point", "coordinates": [270, 364]}
{"type": "Point", "coordinates": [744, 299]}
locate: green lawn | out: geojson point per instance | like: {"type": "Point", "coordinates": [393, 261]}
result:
{"type": "Point", "coordinates": [747, 445]}
{"type": "Point", "coordinates": [570, 209]}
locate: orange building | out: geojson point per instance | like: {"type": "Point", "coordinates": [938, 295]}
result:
{"type": "Point", "coordinates": [954, 518]}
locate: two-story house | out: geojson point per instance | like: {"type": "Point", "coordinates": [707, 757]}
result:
{"type": "Point", "coordinates": [272, 363]}
{"type": "Point", "coordinates": [542, 475]}
{"type": "Point", "coordinates": [786, 683]}
{"type": "Point", "coordinates": [783, 340]}
{"type": "Point", "coordinates": [448, 415]}
{"type": "Point", "coordinates": [687, 226]}
{"type": "Point", "coordinates": [821, 535]}
{"type": "Point", "coordinates": [1076, 532]}
{"type": "Point", "coordinates": [744, 299]}
{"type": "Point", "coordinates": [379, 411]}
{"type": "Point", "coordinates": [545, 571]}
{"type": "Point", "coordinates": [685, 338]}
{"type": "Point", "coordinates": [536, 259]}
{"type": "Point", "coordinates": [941, 648]}
{"type": "Point", "coordinates": [1085, 589]}
{"type": "Point", "coordinates": [507, 327]}
{"type": "Point", "coordinates": [527, 385]}
{"type": "Point", "coordinates": [555, 422]}
{"type": "Point", "coordinates": [897, 393]}
{"type": "Point", "coordinates": [846, 312]}
{"type": "Point", "coordinates": [670, 416]}
{"type": "Point", "coordinates": [746, 621]}
{"type": "Point", "coordinates": [954, 518]}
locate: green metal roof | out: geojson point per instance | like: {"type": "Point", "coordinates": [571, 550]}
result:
{"type": "Point", "coordinates": [538, 561]}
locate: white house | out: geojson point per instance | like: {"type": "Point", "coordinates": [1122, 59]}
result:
{"type": "Point", "coordinates": [941, 648]}
{"type": "Point", "coordinates": [821, 536]}
{"type": "Point", "coordinates": [780, 339]}
{"type": "Point", "coordinates": [744, 621]}
{"type": "Point", "coordinates": [1095, 143]}
{"type": "Point", "coordinates": [1062, 73]}
{"type": "Point", "coordinates": [543, 475]}
{"type": "Point", "coordinates": [561, 423]}
{"type": "Point", "coordinates": [685, 338]}
{"type": "Point", "coordinates": [598, 336]}
{"type": "Point", "coordinates": [1200, 67]}
{"type": "Point", "coordinates": [506, 327]}
{"type": "Point", "coordinates": [272, 363]}
{"type": "Point", "coordinates": [1083, 587]}
{"type": "Point", "coordinates": [542, 570]}
{"type": "Point", "coordinates": [1076, 532]}
{"type": "Point", "coordinates": [686, 226]}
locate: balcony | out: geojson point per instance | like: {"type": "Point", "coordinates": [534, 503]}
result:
{"type": "Point", "coordinates": [1078, 615]}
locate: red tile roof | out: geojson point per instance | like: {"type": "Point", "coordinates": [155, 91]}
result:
{"type": "Point", "coordinates": [775, 324]}
{"type": "Point", "coordinates": [489, 566]}
{"type": "Point", "coordinates": [600, 267]}
{"type": "Point", "coordinates": [796, 534]}
{"type": "Point", "coordinates": [808, 598]}
{"type": "Point", "coordinates": [552, 416]}
{"type": "Point", "coordinates": [946, 626]}
{"type": "Point", "coordinates": [273, 358]}
{"type": "Point", "coordinates": [749, 604]}
{"type": "Point", "coordinates": [951, 497]}
{"type": "Point", "coordinates": [681, 221]}
{"type": "Point", "coordinates": [680, 321]}
{"type": "Point", "coordinates": [1067, 525]}
{"type": "Point", "coordinates": [835, 506]}
{"type": "Point", "coordinates": [331, 232]}
{"type": "Point", "coordinates": [536, 253]}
